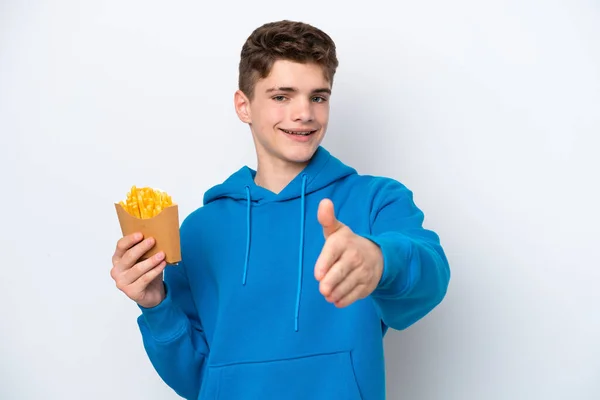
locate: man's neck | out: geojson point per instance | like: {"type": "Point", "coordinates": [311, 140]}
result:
{"type": "Point", "coordinates": [274, 175]}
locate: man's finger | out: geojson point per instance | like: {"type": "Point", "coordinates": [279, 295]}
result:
{"type": "Point", "coordinates": [332, 251]}
{"type": "Point", "coordinates": [134, 273]}
{"type": "Point", "coordinates": [336, 274]}
{"type": "Point", "coordinates": [345, 287]}
{"type": "Point", "coordinates": [131, 257]}
{"type": "Point", "coordinates": [327, 219]}
{"type": "Point", "coordinates": [356, 294]}
{"type": "Point", "coordinates": [143, 281]}
{"type": "Point", "coordinates": [125, 243]}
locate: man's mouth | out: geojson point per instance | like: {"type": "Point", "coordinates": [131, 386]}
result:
{"type": "Point", "coordinates": [298, 133]}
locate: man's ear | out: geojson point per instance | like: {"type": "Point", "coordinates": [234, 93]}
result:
{"type": "Point", "coordinates": [242, 107]}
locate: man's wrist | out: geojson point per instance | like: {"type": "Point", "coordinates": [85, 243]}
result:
{"type": "Point", "coordinates": [162, 294]}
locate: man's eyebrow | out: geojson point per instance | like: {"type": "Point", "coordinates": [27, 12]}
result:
{"type": "Point", "coordinates": [282, 89]}
{"type": "Point", "coordinates": [290, 89]}
{"type": "Point", "coordinates": [322, 90]}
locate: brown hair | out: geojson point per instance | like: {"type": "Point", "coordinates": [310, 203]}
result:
{"type": "Point", "coordinates": [284, 40]}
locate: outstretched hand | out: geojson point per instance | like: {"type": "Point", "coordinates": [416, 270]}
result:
{"type": "Point", "coordinates": [350, 266]}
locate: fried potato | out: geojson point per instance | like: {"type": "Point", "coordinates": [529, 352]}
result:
{"type": "Point", "coordinates": [145, 202]}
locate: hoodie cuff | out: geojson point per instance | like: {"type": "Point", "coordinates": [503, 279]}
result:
{"type": "Point", "coordinates": [166, 320]}
{"type": "Point", "coordinates": [396, 250]}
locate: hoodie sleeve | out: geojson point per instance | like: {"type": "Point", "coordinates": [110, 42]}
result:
{"type": "Point", "coordinates": [416, 273]}
{"type": "Point", "coordinates": [173, 336]}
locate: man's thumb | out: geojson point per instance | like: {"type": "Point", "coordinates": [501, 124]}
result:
{"type": "Point", "coordinates": [327, 219]}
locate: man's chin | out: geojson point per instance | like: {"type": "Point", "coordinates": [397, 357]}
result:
{"type": "Point", "coordinates": [301, 154]}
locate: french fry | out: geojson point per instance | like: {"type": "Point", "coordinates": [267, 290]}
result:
{"type": "Point", "coordinates": [145, 202]}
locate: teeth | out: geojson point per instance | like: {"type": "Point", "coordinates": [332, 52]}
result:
{"type": "Point", "coordinates": [298, 133]}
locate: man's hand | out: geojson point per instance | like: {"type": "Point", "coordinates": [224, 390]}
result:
{"type": "Point", "coordinates": [141, 281]}
{"type": "Point", "coordinates": [349, 267]}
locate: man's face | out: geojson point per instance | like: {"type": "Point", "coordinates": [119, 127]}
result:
{"type": "Point", "coordinates": [289, 113]}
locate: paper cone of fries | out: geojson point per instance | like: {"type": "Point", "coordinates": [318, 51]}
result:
{"type": "Point", "coordinates": [153, 213]}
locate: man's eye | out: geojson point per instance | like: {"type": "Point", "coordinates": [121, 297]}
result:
{"type": "Point", "coordinates": [319, 99]}
{"type": "Point", "coordinates": [279, 98]}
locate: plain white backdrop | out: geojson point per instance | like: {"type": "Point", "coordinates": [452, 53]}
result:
{"type": "Point", "coordinates": [488, 111]}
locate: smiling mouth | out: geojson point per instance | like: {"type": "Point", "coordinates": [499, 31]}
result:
{"type": "Point", "coordinates": [298, 133]}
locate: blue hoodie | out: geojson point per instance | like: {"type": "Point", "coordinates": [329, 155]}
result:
{"type": "Point", "coordinates": [243, 317]}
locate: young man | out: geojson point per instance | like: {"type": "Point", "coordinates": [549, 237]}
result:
{"type": "Point", "coordinates": [292, 273]}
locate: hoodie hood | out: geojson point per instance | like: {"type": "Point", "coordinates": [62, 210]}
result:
{"type": "Point", "coordinates": [323, 170]}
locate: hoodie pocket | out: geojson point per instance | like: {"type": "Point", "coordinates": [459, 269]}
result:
{"type": "Point", "coordinates": [316, 377]}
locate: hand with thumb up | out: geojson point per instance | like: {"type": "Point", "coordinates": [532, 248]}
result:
{"type": "Point", "coordinates": [349, 266]}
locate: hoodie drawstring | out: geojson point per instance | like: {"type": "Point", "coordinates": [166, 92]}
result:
{"type": "Point", "coordinates": [247, 235]}
{"type": "Point", "coordinates": [300, 253]}
{"type": "Point", "coordinates": [300, 250]}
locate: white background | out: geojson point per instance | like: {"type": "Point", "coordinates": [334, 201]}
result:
{"type": "Point", "coordinates": [488, 111]}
